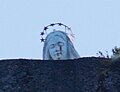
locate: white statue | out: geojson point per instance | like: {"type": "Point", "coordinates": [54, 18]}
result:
{"type": "Point", "coordinates": [58, 46]}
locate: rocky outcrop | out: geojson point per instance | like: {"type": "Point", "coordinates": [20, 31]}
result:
{"type": "Point", "coordinates": [80, 75]}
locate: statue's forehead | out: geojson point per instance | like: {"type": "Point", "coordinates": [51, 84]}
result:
{"type": "Point", "coordinates": [55, 35]}
{"type": "Point", "coordinates": [55, 38]}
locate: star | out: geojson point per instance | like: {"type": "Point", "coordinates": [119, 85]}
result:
{"type": "Point", "coordinates": [42, 40]}
{"type": "Point", "coordinates": [52, 24]}
{"type": "Point", "coordinates": [45, 28]}
{"type": "Point", "coordinates": [65, 26]}
{"type": "Point", "coordinates": [42, 33]}
{"type": "Point", "coordinates": [60, 24]}
{"type": "Point", "coordinates": [69, 28]}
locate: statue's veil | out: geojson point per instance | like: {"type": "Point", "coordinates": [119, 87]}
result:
{"type": "Point", "coordinates": [71, 52]}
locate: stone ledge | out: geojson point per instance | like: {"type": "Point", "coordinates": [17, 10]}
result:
{"type": "Point", "coordinates": [80, 75]}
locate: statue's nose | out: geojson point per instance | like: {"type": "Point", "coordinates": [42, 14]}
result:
{"type": "Point", "coordinates": [57, 48]}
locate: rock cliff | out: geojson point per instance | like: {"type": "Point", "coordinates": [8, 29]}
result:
{"type": "Point", "coordinates": [80, 75]}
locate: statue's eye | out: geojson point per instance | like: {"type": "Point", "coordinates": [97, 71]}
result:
{"type": "Point", "coordinates": [60, 43]}
{"type": "Point", "coordinates": [52, 45]}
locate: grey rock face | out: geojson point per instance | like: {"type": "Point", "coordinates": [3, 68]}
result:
{"type": "Point", "coordinates": [80, 75]}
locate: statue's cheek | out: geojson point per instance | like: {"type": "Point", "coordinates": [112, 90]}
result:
{"type": "Point", "coordinates": [64, 50]}
{"type": "Point", "coordinates": [51, 52]}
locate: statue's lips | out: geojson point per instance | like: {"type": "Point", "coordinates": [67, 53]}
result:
{"type": "Point", "coordinates": [58, 54]}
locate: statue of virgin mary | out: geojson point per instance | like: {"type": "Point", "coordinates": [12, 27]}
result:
{"type": "Point", "coordinates": [58, 46]}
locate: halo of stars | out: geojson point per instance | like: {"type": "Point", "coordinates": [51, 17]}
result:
{"type": "Point", "coordinates": [52, 25]}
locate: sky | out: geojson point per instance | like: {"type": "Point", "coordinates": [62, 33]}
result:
{"type": "Point", "coordinates": [95, 23]}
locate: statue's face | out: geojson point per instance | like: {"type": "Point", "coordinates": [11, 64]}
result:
{"type": "Point", "coordinates": [57, 48]}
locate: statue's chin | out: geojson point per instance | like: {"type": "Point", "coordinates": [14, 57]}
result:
{"type": "Point", "coordinates": [58, 57]}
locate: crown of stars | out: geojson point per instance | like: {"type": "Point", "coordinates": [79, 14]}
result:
{"type": "Point", "coordinates": [51, 25]}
